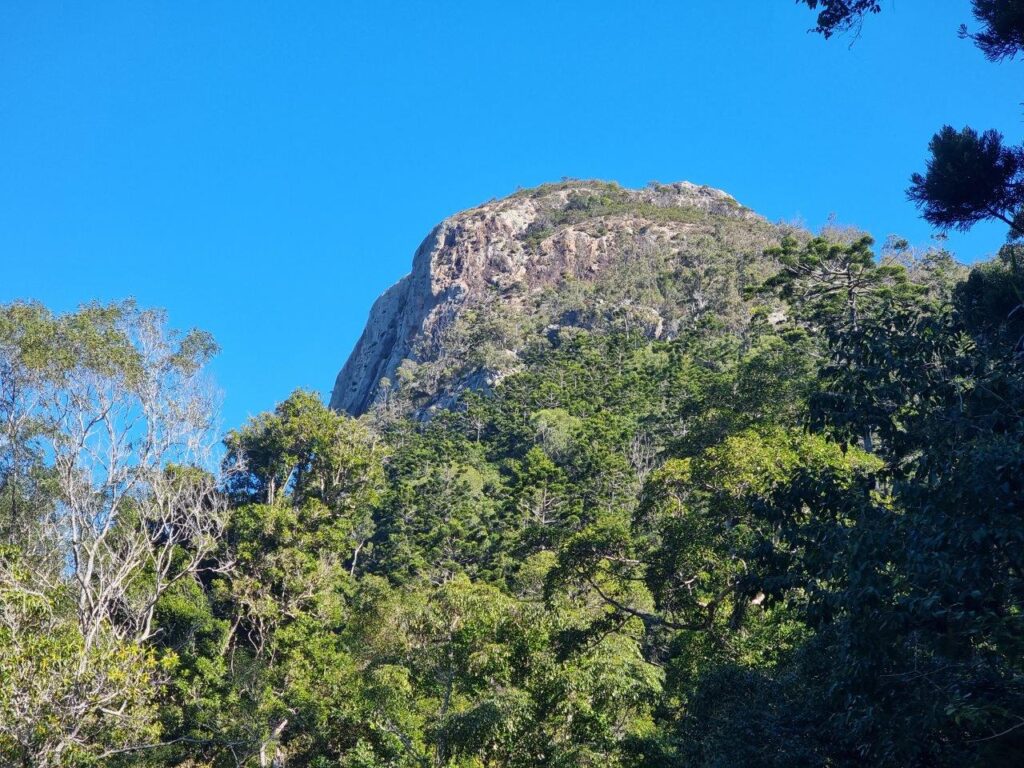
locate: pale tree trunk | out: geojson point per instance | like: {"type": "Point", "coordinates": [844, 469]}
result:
{"type": "Point", "coordinates": [137, 511]}
{"type": "Point", "coordinates": [271, 754]}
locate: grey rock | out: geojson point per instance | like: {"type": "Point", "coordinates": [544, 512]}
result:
{"type": "Point", "coordinates": [509, 250]}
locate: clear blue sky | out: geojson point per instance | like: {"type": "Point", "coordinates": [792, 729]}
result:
{"type": "Point", "coordinates": [264, 170]}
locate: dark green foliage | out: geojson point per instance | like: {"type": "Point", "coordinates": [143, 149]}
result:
{"type": "Point", "coordinates": [970, 177]}
{"type": "Point", "coordinates": [1002, 33]}
{"type": "Point", "coordinates": [1001, 36]}
{"type": "Point", "coordinates": [841, 15]}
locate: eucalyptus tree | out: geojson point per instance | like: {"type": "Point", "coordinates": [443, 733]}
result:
{"type": "Point", "coordinates": [108, 421]}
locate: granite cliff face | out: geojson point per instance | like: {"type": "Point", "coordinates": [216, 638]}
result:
{"type": "Point", "coordinates": [579, 254]}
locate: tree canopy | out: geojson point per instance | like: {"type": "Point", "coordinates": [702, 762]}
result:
{"type": "Point", "coordinates": [791, 543]}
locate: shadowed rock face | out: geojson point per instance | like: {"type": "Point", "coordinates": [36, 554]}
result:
{"type": "Point", "coordinates": [510, 250]}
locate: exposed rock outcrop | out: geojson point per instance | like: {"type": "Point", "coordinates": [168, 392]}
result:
{"type": "Point", "coordinates": [515, 257]}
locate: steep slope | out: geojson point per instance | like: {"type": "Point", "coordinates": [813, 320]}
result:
{"type": "Point", "coordinates": [578, 254]}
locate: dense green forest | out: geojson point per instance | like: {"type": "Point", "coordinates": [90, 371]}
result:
{"type": "Point", "coordinates": [793, 536]}
{"type": "Point", "coordinates": [798, 544]}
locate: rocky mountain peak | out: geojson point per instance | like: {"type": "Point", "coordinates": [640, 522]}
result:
{"type": "Point", "coordinates": [511, 268]}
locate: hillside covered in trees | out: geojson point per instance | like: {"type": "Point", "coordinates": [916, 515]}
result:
{"type": "Point", "coordinates": [791, 540]}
